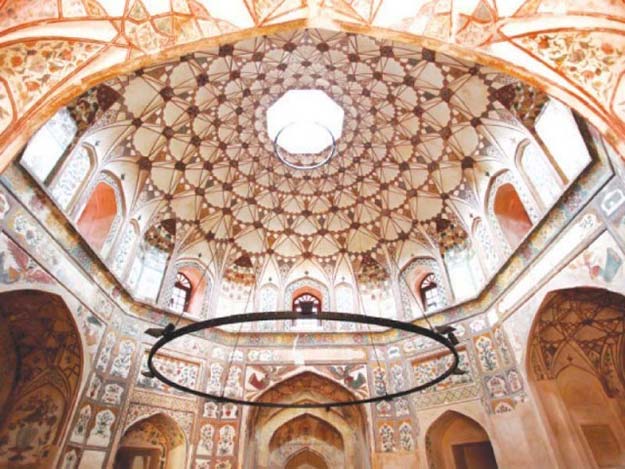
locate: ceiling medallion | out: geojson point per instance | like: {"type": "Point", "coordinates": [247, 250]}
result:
{"type": "Point", "coordinates": [304, 126]}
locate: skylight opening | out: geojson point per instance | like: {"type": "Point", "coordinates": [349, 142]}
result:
{"type": "Point", "coordinates": [304, 122]}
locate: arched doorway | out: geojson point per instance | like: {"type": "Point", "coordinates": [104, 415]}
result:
{"type": "Point", "coordinates": [337, 436]}
{"type": "Point", "coordinates": [43, 361]}
{"type": "Point", "coordinates": [156, 442]}
{"type": "Point", "coordinates": [575, 360]}
{"type": "Point", "coordinates": [455, 441]}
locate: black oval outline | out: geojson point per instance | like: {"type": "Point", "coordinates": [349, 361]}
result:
{"type": "Point", "coordinates": [289, 315]}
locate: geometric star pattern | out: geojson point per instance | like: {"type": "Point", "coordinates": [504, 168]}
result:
{"type": "Point", "coordinates": [192, 133]}
{"type": "Point", "coordinates": [587, 322]}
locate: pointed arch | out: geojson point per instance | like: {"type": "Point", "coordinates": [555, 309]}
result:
{"type": "Point", "coordinates": [149, 267]}
{"type": "Point", "coordinates": [411, 280]}
{"type": "Point", "coordinates": [307, 386]}
{"type": "Point", "coordinates": [237, 287]}
{"type": "Point", "coordinates": [537, 173]}
{"type": "Point", "coordinates": [190, 279]}
{"type": "Point", "coordinates": [49, 361]}
{"type": "Point", "coordinates": [74, 176]}
{"type": "Point", "coordinates": [510, 210]}
{"type": "Point", "coordinates": [488, 250]}
{"type": "Point", "coordinates": [511, 215]}
{"type": "Point", "coordinates": [154, 441]}
{"type": "Point", "coordinates": [310, 285]}
{"type": "Point", "coordinates": [346, 301]}
{"type": "Point", "coordinates": [375, 288]}
{"type": "Point", "coordinates": [455, 440]}
{"type": "Point", "coordinates": [125, 248]}
{"type": "Point", "coordinates": [200, 287]}
{"type": "Point", "coordinates": [575, 366]}
{"type": "Point", "coordinates": [570, 153]}
{"type": "Point", "coordinates": [297, 441]}
{"type": "Point", "coordinates": [268, 297]}
{"type": "Point", "coordinates": [309, 458]}
{"type": "Point", "coordinates": [96, 219]}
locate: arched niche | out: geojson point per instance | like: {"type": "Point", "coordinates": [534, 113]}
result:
{"type": "Point", "coordinates": [570, 152]}
{"type": "Point", "coordinates": [310, 285]}
{"type": "Point", "coordinates": [156, 442]}
{"type": "Point", "coordinates": [575, 361]}
{"type": "Point", "coordinates": [125, 249]}
{"type": "Point", "coordinates": [305, 299]}
{"type": "Point", "coordinates": [96, 218]}
{"type": "Point", "coordinates": [375, 289]}
{"type": "Point", "coordinates": [488, 250]}
{"type": "Point", "coordinates": [350, 423]}
{"type": "Point", "coordinates": [306, 439]}
{"type": "Point", "coordinates": [40, 395]}
{"type": "Point", "coordinates": [412, 277]}
{"type": "Point", "coordinates": [73, 176]}
{"type": "Point", "coordinates": [307, 459]}
{"type": "Point", "coordinates": [199, 288]}
{"type": "Point", "coordinates": [538, 173]}
{"type": "Point", "coordinates": [510, 214]}
{"type": "Point", "coordinates": [307, 289]}
{"type": "Point", "coordinates": [149, 266]}
{"type": "Point", "coordinates": [237, 285]}
{"type": "Point", "coordinates": [268, 297]}
{"type": "Point", "coordinates": [456, 441]}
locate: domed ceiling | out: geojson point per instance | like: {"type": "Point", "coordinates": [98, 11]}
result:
{"type": "Point", "coordinates": [191, 136]}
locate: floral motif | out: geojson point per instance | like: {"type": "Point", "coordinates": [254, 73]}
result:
{"type": "Point", "coordinates": [112, 394]}
{"type": "Point", "coordinates": [180, 371]}
{"type": "Point", "coordinates": [226, 441]}
{"type": "Point", "coordinates": [406, 440]}
{"type": "Point", "coordinates": [387, 438]}
{"type": "Point", "coordinates": [100, 434]}
{"type": "Point", "coordinates": [486, 353]}
{"type": "Point", "coordinates": [205, 445]}
{"type": "Point", "coordinates": [105, 353]}
{"type": "Point", "coordinates": [80, 428]}
{"type": "Point", "coordinates": [32, 69]}
{"type": "Point", "coordinates": [123, 360]}
{"type": "Point", "coordinates": [590, 59]}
